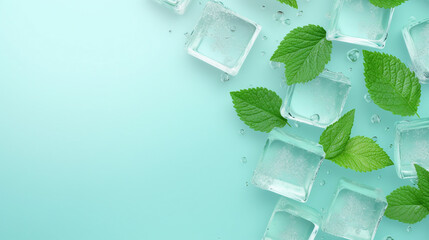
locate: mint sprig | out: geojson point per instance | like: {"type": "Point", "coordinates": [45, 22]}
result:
{"type": "Point", "coordinates": [408, 204]}
{"type": "Point", "coordinates": [291, 3]}
{"type": "Point", "coordinates": [358, 153]}
{"type": "Point", "coordinates": [305, 51]}
{"type": "Point", "coordinates": [259, 108]}
{"type": "Point", "coordinates": [392, 86]}
{"type": "Point", "coordinates": [387, 3]}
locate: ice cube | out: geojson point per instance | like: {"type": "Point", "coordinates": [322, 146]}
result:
{"type": "Point", "coordinates": [179, 6]}
{"type": "Point", "coordinates": [355, 212]}
{"type": "Point", "coordinates": [318, 102]}
{"type": "Point", "coordinates": [416, 36]}
{"type": "Point", "coordinates": [359, 22]}
{"type": "Point", "coordinates": [222, 38]}
{"type": "Point", "coordinates": [411, 146]}
{"type": "Point", "coordinates": [288, 165]}
{"type": "Point", "coordinates": [292, 221]}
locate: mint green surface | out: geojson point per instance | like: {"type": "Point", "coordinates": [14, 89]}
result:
{"type": "Point", "coordinates": [109, 130]}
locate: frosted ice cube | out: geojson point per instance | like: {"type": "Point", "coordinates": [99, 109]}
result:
{"type": "Point", "coordinates": [222, 38]}
{"type": "Point", "coordinates": [292, 221]}
{"type": "Point", "coordinates": [355, 212]}
{"type": "Point", "coordinates": [288, 165]}
{"type": "Point", "coordinates": [416, 37]}
{"type": "Point", "coordinates": [411, 146]}
{"type": "Point", "coordinates": [359, 22]}
{"type": "Point", "coordinates": [318, 102]}
{"type": "Point", "coordinates": [179, 6]}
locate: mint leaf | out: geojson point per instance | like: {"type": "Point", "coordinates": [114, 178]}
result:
{"type": "Point", "coordinates": [336, 135]}
{"type": "Point", "coordinates": [259, 108]}
{"type": "Point", "coordinates": [423, 184]}
{"type": "Point", "coordinates": [305, 52]}
{"type": "Point", "coordinates": [392, 86]}
{"type": "Point", "coordinates": [387, 3]}
{"type": "Point", "coordinates": [404, 205]}
{"type": "Point", "coordinates": [291, 3]}
{"type": "Point", "coordinates": [362, 154]}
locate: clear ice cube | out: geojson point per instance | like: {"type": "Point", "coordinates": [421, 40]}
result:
{"type": "Point", "coordinates": [288, 165]}
{"type": "Point", "coordinates": [179, 6]}
{"type": "Point", "coordinates": [222, 38]}
{"type": "Point", "coordinates": [355, 212]}
{"type": "Point", "coordinates": [292, 221]}
{"type": "Point", "coordinates": [359, 22]}
{"type": "Point", "coordinates": [319, 102]}
{"type": "Point", "coordinates": [411, 147]}
{"type": "Point", "coordinates": [416, 36]}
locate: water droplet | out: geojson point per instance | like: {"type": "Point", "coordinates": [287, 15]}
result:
{"type": "Point", "coordinates": [367, 98]}
{"type": "Point", "coordinates": [409, 229]}
{"type": "Point", "coordinates": [287, 21]}
{"type": "Point", "coordinates": [299, 14]}
{"type": "Point", "coordinates": [353, 55]}
{"type": "Point", "coordinates": [328, 172]}
{"type": "Point", "coordinates": [264, 38]}
{"type": "Point", "coordinates": [200, 3]}
{"type": "Point", "coordinates": [391, 145]}
{"type": "Point", "coordinates": [274, 65]}
{"type": "Point", "coordinates": [379, 177]}
{"type": "Point", "coordinates": [186, 35]}
{"type": "Point", "coordinates": [247, 184]}
{"type": "Point", "coordinates": [262, 53]}
{"type": "Point", "coordinates": [322, 210]}
{"type": "Point", "coordinates": [233, 28]}
{"type": "Point", "coordinates": [242, 131]}
{"type": "Point", "coordinates": [224, 77]}
{"type": "Point", "coordinates": [389, 238]}
{"type": "Point", "coordinates": [387, 129]}
{"type": "Point", "coordinates": [375, 119]}
{"type": "Point", "coordinates": [315, 118]}
{"type": "Point", "coordinates": [244, 160]}
{"type": "Point", "coordinates": [322, 183]}
{"type": "Point", "coordinates": [278, 16]}
{"type": "Point", "coordinates": [375, 138]}
{"type": "Point", "coordinates": [350, 69]}
{"type": "Point", "coordinates": [170, 31]}
{"type": "Point", "coordinates": [263, 7]}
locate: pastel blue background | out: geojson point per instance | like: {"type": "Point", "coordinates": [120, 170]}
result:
{"type": "Point", "coordinates": [109, 130]}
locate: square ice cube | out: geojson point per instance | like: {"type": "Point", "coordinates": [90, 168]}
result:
{"type": "Point", "coordinates": [359, 22]}
{"type": "Point", "coordinates": [318, 102]}
{"type": "Point", "coordinates": [179, 6]}
{"type": "Point", "coordinates": [292, 221]}
{"type": "Point", "coordinates": [355, 211]}
{"type": "Point", "coordinates": [416, 36]}
{"type": "Point", "coordinates": [222, 38]}
{"type": "Point", "coordinates": [411, 146]}
{"type": "Point", "coordinates": [288, 165]}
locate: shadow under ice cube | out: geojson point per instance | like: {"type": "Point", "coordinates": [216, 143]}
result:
{"type": "Point", "coordinates": [359, 22]}
{"type": "Point", "coordinates": [288, 165]}
{"type": "Point", "coordinates": [355, 212]}
{"type": "Point", "coordinates": [222, 38]}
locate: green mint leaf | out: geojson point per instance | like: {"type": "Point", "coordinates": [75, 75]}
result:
{"type": "Point", "coordinates": [423, 183]}
{"type": "Point", "coordinates": [291, 3]}
{"type": "Point", "coordinates": [392, 86]}
{"type": "Point", "coordinates": [362, 154]}
{"type": "Point", "coordinates": [405, 206]}
{"type": "Point", "coordinates": [387, 3]}
{"type": "Point", "coordinates": [305, 52]}
{"type": "Point", "coordinates": [336, 135]}
{"type": "Point", "coordinates": [259, 108]}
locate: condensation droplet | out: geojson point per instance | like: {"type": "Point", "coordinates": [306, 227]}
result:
{"type": "Point", "coordinates": [353, 55]}
{"type": "Point", "coordinates": [170, 31]}
{"type": "Point", "coordinates": [387, 129]}
{"type": "Point", "coordinates": [244, 160]}
{"type": "Point", "coordinates": [389, 238]}
{"type": "Point", "coordinates": [409, 229]}
{"type": "Point", "coordinates": [375, 138]}
{"type": "Point", "coordinates": [391, 145]}
{"type": "Point", "coordinates": [350, 69]}
{"type": "Point", "coordinates": [322, 210]}
{"type": "Point", "coordinates": [233, 28]}
{"type": "Point", "coordinates": [379, 177]}
{"type": "Point", "coordinates": [274, 65]}
{"type": "Point", "coordinates": [367, 98]}
{"type": "Point", "coordinates": [322, 183]}
{"type": "Point", "coordinates": [287, 21]}
{"type": "Point", "coordinates": [242, 131]}
{"type": "Point", "coordinates": [328, 172]}
{"type": "Point", "coordinates": [299, 14]}
{"type": "Point", "coordinates": [247, 184]}
{"type": "Point", "coordinates": [264, 38]}
{"type": "Point", "coordinates": [315, 117]}
{"type": "Point", "coordinates": [278, 16]}
{"type": "Point", "coordinates": [224, 77]}
{"type": "Point", "coordinates": [375, 119]}
{"type": "Point", "coordinates": [262, 53]}
{"type": "Point", "coordinates": [263, 7]}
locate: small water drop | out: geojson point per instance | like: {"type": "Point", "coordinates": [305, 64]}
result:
{"type": "Point", "coordinates": [367, 98]}
{"type": "Point", "coordinates": [387, 129]}
{"type": "Point", "coordinates": [350, 69]}
{"type": "Point", "coordinates": [409, 229]}
{"type": "Point", "coordinates": [278, 16]}
{"type": "Point", "coordinates": [244, 160]}
{"type": "Point", "coordinates": [389, 238]}
{"type": "Point", "coordinates": [375, 119]}
{"type": "Point", "coordinates": [391, 146]}
{"type": "Point", "coordinates": [224, 77]}
{"type": "Point", "coordinates": [375, 138]}
{"type": "Point", "coordinates": [379, 177]}
{"type": "Point", "coordinates": [353, 55]}
{"type": "Point", "coordinates": [322, 210]}
{"type": "Point", "coordinates": [299, 14]}
{"type": "Point", "coordinates": [328, 172]}
{"type": "Point", "coordinates": [262, 53]}
{"type": "Point", "coordinates": [263, 7]}
{"type": "Point", "coordinates": [247, 184]}
{"type": "Point", "coordinates": [315, 118]}
{"type": "Point", "coordinates": [287, 21]}
{"type": "Point", "coordinates": [264, 38]}
{"type": "Point", "coordinates": [170, 31]}
{"type": "Point", "coordinates": [242, 131]}
{"type": "Point", "coordinates": [322, 183]}
{"type": "Point", "coordinates": [233, 28]}
{"type": "Point", "coordinates": [274, 65]}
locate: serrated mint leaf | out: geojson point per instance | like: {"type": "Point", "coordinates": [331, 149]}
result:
{"type": "Point", "coordinates": [362, 154]}
{"type": "Point", "coordinates": [387, 3]}
{"type": "Point", "coordinates": [305, 52]}
{"type": "Point", "coordinates": [392, 86]}
{"type": "Point", "coordinates": [291, 3]}
{"type": "Point", "coordinates": [336, 135]}
{"type": "Point", "coordinates": [404, 205]}
{"type": "Point", "coordinates": [423, 183]}
{"type": "Point", "coordinates": [259, 108]}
